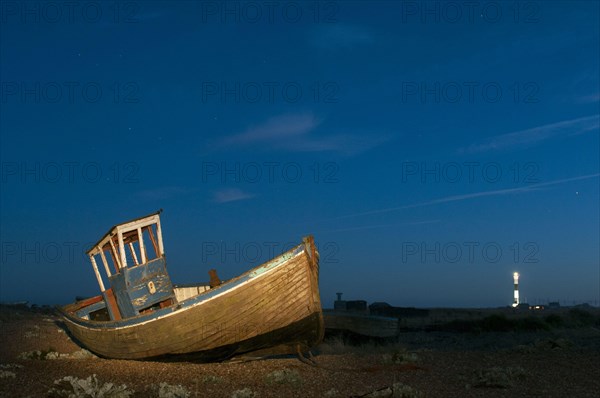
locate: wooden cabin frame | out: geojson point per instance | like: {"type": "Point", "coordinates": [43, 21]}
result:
{"type": "Point", "coordinates": [133, 289]}
{"type": "Point", "coordinates": [122, 235]}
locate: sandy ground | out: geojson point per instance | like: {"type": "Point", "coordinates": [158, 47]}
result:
{"type": "Point", "coordinates": [560, 363]}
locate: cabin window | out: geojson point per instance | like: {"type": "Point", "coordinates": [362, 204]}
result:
{"type": "Point", "coordinates": [100, 265]}
{"type": "Point", "coordinates": [110, 256]}
{"type": "Point", "coordinates": [150, 243]}
{"type": "Point", "coordinates": [136, 251]}
{"type": "Point", "coordinates": [133, 254]}
{"type": "Point", "coordinates": [126, 247]}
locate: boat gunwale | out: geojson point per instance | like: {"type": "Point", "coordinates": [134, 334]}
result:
{"type": "Point", "coordinates": [191, 302]}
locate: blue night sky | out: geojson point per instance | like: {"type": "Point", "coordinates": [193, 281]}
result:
{"type": "Point", "coordinates": [432, 148]}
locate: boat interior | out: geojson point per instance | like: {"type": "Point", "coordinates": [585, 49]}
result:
{"type": "Point", "coordinates": [95, 309]}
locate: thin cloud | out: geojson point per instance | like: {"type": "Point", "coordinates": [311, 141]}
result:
{"type": "Point", "coordinates": [231, 195]}
{"type": "Point", "coordinates": [529, 137]}
{"type": "Point", "coordinates": [296, 133]}
{"type": "Point", "coordinates": [277, 128]}
{"type": "Point", "coordinates": [456, 198]}
{"type": "Point", "coordinates": [586, 99]}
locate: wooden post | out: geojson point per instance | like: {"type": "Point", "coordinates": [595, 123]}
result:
{"type": "Point", "coordinates": [97, 273]}
{"type": "Point", "coordinates": [135, 259]}
{"type": "Point", "coordinates": [160, 240]}
{"type": "Point", "coordinates": [104, 261]}
{"type": "Point", "coordinates": [153, 240]}
{"type": "Point", "coordinates": [115, 253]}
{"type": "Point", "coordinates": [122, 250]}
{"type": "Point", "coordinates": [142, 246]}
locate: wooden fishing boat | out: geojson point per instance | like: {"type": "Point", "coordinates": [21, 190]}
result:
{"type": "Point", "coordinates": [273, 308]}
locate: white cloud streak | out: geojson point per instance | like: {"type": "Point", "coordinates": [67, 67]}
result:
{"type": "Point", "coordinates": [231, 195]}
{"type": "Point", "coordinates": [529, 137]}
{"type": "Point", "coordinates": [277, 128]}
{"type": "Point", "coordinates": [296, 133]}
{"type": "Point", "coordinates": [456, 198]}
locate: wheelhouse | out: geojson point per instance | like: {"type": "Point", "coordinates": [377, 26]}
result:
{"type": "Point", "coordinates": [133, 258]}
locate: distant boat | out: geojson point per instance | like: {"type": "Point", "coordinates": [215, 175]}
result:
{"type": "Point", "coordinates": [273, 308]}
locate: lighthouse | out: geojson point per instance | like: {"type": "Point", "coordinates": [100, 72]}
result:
{"type": "Point", "coordinates": [516, 294]}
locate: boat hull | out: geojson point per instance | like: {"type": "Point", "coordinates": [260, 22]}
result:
{"type": "Point", "coordinates": [274, 305]}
